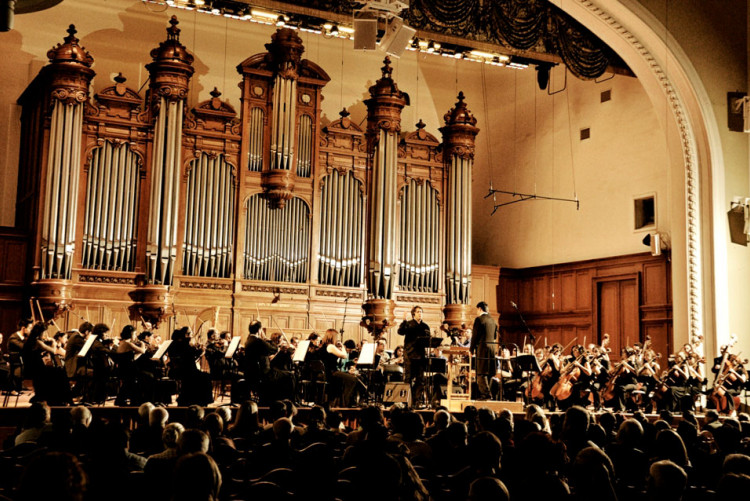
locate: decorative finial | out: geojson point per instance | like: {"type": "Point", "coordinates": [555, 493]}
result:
{"type": "Point", "coordinates": [173, 32]}
{"type": "Point", "coordinates": [215, 93]}
{"type": "Point", "coordinates": [387, 70]}
{"type": "Point", "coordinates": [460, 96]}
{"type": "Point", "coordinates": [71, 34]}
{"type": "Point", "coordinates": [421, 125]}
{"type": "Point", "coordinates": [120, 79]}
{"type": "Point", "coordinates": [344, 113]}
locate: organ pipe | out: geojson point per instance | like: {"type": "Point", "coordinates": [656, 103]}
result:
{"type": "Point", "coordinates": [276, 241]}
{"type": "Point", "coordinates": [419, 238]}
{"type": "Point", "coordinates": [304, 156]}
{"type": "Point", "coordinates": [71, 74]}
{"type": "Point", "coordinates": [111, 211]}
{"type": "Point", "coordinates": [383, 127]}
{"type": "Point", "coordinates": [340, 256]}
{"type": "Point", "coordinates": [459, 133]}
{"type": "Point", "coordinates": [170, 74]}
{"type": "Point", "coordinates": [209, 218]}
{"type": "Point", "coordinates": [255, 152]}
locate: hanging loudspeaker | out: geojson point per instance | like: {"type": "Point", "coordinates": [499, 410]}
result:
{"type": "Point", "coordinates": [397, 37]}
{"type": "Point", "coordinates": [365, 32]}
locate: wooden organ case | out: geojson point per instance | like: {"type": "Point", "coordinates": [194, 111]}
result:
{"type": "Point", "coordinates": [142, 209]}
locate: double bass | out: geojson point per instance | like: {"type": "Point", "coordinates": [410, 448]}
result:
{"type": "Point", "coordinates": [727, 374]}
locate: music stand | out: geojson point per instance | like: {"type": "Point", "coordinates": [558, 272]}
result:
{"type": "Point", "coordinates": [530, 364]}
{"type": "Point", "coordinates": [300, 352]}
{"type": "Point", "coordinates": [162, 349]}
{"type": "Point", "coordinates": [87, 345]}
{"type": "Point", "coordinates": [233, 344]}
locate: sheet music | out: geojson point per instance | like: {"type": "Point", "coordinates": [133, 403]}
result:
{"type": "Point", "coordinates": [367, 355]}
{"type": "Point", "coordinates": [301, 352]}
{"type": "Point", "coordinates": [233, 344]}
{"type": "Point", "coordinates": [162, 349]}
{"type": "Point", "coordinates": [87, 346]}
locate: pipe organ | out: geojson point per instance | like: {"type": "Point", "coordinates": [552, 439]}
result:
{"type": "Point", "coordinates": [342, 215]}
{"type": "Point", "coordinates": [142, 207]}
{"type": "Point", "coordinates": [277, 241]}
{"type": "Point", "coordinates": [111, 215]}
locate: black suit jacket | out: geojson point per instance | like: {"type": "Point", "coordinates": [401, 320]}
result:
{"type": "Point", "coordinates": [483, 344]}
{"type": "Point", "coordinates": [416, 338]}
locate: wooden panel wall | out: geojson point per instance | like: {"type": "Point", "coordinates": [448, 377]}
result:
{"type": "Point", "coordinates": [628, 297]}
{"type": "Point", "coordinates": [13, 244]}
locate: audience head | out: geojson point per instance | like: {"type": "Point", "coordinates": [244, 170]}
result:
{"type": "Point", "coordinates": [37, 416]}
{"type": "Point", "coordinates": [576, 423]}
{"type": "Point", "coordinates": [213, 425]}
{"type": "Point", "coordinates": [144, 411]}
{"type": "Point", "coordinates": [669, 445]}
{"type": "Point", "coordinates": [191, 441]}
{"type": "Point", "coordinates": [630, 433]}
{"type": "Point", "coordinates": [282, 430]}
{"type": "Point", "coordinates": [158, 417]}
{"type": "Point", "coordinates": [733, 486]}
{"type": "Point", "coordinates": [53, 475]}
{"type": "Point", "coordinates": [196, 478]}
{"type": "Point", "coordinates": [442, 419]}
{"type": "Point", "coordinates": [485, 451]}
{"type": "Point", "coordinates": [81, 416]}
{"type": "Point", "coordinates": [666, 481]}
{"type": "Point", "coordinates": [593, 475]}
{"type": "Point", "coordinates": [171, 435]}
{"type": "Point", "coordinates": [225, 412]}
{"type": "Point", "coordinates": [488, 489]}
{"type": "Point", "coordinates": [194, 416]}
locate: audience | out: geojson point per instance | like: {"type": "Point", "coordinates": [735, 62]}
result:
{"type": "Point", "coordinates": [477, 456]}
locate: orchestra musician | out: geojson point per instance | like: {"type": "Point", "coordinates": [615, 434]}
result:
{"type": "Point", "coordinates": [124, 356]}
{"type": "Point", "coordinates": [416, 339]}
{"type": "Point", "coordinates": [258, 353]}
{"type": "Point", "coordinates": [50, 383]}
{"type": "Point", "coordinates": [484, 346]}
{"type": "Point", "coordinates": [196, 387]}
{"type": "Point", "coordinates": [342, 385]}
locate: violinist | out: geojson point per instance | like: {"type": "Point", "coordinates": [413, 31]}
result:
{"type": "Point", "coordinates": [124, 356]}
{"type": "Point", "coordinates": [678, 395]}
{"type": "Point", "coordinates": [58, 343]}
{"type": "Point", "coordinates": [280, 377]}
{"type": "Point", "coordinates": [184, 352]}
{"type": "Point", "coordinates": [215, 349]}
{"type": "Point", "coordinates": [648, 376]}
{"type": "Point", "coordinates": [258, 353]}
{"type": "Point", "coordinates": [50, 383]}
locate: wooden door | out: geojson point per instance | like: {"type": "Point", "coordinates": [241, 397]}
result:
{"type": "Point", "coordinates": [617, 312]}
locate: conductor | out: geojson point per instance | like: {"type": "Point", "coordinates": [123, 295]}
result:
{"type": "Point", "coordinates": [484, 347]}
{"type": "Point", "coordinates": [416, 338]}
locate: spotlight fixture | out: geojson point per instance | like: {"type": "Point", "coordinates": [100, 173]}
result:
{"type": "Point", "coordinates": [431, 47]}
{"type": "Point", "coordinates": [280, 22]}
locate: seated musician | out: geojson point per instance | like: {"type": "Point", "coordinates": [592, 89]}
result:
{"type": "Point", "coordinates": [678, 395]}
{"type": "Point", "coordinates": [124, 355]}
{"type": "Point", "coordinates": [50, 382]}
{"type": "Point", "coordinates": [342, 386]}
{"type": "Point", "coordinates": [100, 364]}
{"type": "Point", "coordinates": [195, 387]}
{"type": "Point", "coordinates": [622, 381]}
{"type": "Point", "coordinates": [258, 351]}
{"type": "Point", "coordinates": [648, 376]}
{"type": "Point", "coordinates": [280, 377]}
{"type": "Point", "coordinates": [551, 373]}
{"type": "Point", "coordinates": [350, 347]}
{"type": "Point", "coordinates": [581, 379]}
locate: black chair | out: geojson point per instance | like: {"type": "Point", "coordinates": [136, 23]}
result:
{"type": "Point", "coordinates": [15, 377]}
{"type": "Point", "coordinates": [314, 386]}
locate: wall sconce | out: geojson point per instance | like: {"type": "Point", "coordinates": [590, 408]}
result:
{"type": "Point", "coordinates": [739, 220]}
